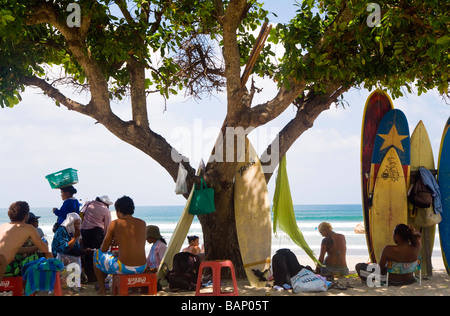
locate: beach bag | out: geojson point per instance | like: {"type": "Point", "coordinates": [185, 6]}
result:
{"type": "Point", "coordinates": [284, 266]}
{"type": "Point", "coordinates": [420, 195]}
{"type": "Point", "coordinates": [202, 200]}
{"type": "Point", "coordinates": [183, 276]}
{"type": "Point", "coordinates": [427, 218]}
{"type": "Point", "coordinates": [181, 186]}
{"type": "Point", "coordinates": [307, 281]}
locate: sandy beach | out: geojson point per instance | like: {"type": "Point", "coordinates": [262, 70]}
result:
{"type": "Point", "coordinates": [437, 285]}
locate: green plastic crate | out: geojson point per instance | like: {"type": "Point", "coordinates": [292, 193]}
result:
{"type": "Point", "coordinates": [62, 178]}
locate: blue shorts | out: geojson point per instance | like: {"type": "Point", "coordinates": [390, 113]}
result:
{"type": "Point", "coordinates": [110, 264]}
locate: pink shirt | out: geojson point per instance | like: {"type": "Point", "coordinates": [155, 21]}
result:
{"type": "Point", "coordinates": [156, 254]}
{"type": "Point", "coordinates": [96, 214]}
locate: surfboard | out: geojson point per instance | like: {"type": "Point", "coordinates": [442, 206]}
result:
{"type": "Point", "coordinates": [393, 131]}
{"type": "Point", "coordinates": [377, 105]}
{"type": "Point", "coordinates": [389, 202]}
{"type": "Point", "coordinates": [422, 156]}
{"type": "Point", "coordinates": [252, 215]}
{"type": "Point", "coordinates": [177, 240]}
{"type": "Point", "coordinates": [444, 186]}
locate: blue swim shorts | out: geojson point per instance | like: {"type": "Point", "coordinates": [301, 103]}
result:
{"type": "Point", "coordinates": [110, 264]}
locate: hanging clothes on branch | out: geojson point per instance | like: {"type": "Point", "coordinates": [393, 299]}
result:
{"type": "Point", "coordinates": [283, 211]}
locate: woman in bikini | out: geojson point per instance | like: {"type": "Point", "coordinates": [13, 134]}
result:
{"type": "Point", "coordinates": [406, 250]}
{"type": "Point", "coordinates": [335, 246]}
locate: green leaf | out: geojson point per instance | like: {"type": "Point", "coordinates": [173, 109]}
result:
{"type": "Point", "coordinates": [443, 40]}
{"type": "Point", "coordinates": [8, 18]}
{"type": "Point", "coordinates": [342, 26]}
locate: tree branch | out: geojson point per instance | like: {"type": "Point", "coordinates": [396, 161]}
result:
{"type": "Point", "coordinates": [308, 112]}
{"type": "Point", "coordinates": [143, 139]}
{"type": "Point", "coordinates": [138, 94]}
{"type": "Point", "coordinates": [230, 23]}
{"type": "Point", "coordinates": [124, 9]}
{"type": "Point", "coordinates": [266, 112]}
{"type": "Point", "coordinates": [219, 9]}
{"type": "Point", "coordinates": [158, 16]}
{"type": "Point", "coordinates": [48, 13]}
{"type": "Point", "coordinates": [55, 94]}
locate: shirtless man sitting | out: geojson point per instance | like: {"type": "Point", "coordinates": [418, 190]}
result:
{"type": "Point", "coordinates": [129, 234]}
{"type": "Point", "coordinates": [14, 234]}
{"type": "Point", "coordinates": [335, 246]}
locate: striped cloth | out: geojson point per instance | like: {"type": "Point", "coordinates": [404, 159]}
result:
{"type": "Point", "coordinates": [40, 274]}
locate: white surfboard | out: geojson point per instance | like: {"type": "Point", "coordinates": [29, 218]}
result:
{"type": "Point", "coordinates": [252, 214]}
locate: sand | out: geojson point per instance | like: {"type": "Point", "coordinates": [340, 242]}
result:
{"type": "Point", "coordinates": [437, 285]}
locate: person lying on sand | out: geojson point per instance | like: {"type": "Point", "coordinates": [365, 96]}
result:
{"type": "Point", "coordinates": [14, 234]}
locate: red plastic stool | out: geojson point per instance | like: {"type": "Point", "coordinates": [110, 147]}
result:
{"type": "Point", "coordinates": [57, 288]}
{"type": "Point", "coordinates": [14, 284]}
{"type": "Point", "coordinates": [122, 282]}
{"type": "Point", "coordinates": [216, 267]}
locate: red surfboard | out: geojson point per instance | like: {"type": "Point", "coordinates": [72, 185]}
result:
{"type": "Point", "coordinates": [377, 105]}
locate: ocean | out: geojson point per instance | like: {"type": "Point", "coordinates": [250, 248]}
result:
{"type": "Point", "coordinates": [343, 218]}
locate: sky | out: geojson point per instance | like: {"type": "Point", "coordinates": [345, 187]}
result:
{"type": "Point", "coordinates": [38, 138]}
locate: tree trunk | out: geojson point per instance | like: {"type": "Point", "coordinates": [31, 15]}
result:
{"type": "Point", "coordinates": [219, 231]}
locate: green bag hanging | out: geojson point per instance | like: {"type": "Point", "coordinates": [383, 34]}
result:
{"type": "Point", "coordinates": [203, 200]}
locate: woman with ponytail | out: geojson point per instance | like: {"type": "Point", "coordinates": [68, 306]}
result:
{"type": "Point", "coordinates": [406, 250]}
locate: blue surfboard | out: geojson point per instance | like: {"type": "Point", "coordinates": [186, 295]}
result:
{"type": "Point", "coordinates": [444, 186]}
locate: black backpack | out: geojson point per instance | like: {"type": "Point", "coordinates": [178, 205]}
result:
{"type": "Point", "coordinates": [284, 266]}
{"type": "Point", "coordinates": [183, 275]}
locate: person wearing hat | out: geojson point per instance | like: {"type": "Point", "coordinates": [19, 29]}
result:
{"type": "Point", "coordinates": [34, 221]}
{"type": "Point", "coordinates": [158, 249]}
{"type": "Point", "coordinates": [28, 248]}
{"type": "Point", "coordinates": [96, 219]}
